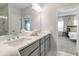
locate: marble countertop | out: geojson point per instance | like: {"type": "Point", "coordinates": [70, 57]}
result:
{"type": "Point", "coordinates": [31, 40]}
{"type": "Point", "coordinates": [12, 48]}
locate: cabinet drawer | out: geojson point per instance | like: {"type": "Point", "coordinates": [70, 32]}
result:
{"type": "Point", "coordinates": [26, 51]}
{"type": "Point", "coordinates": [42, 53]}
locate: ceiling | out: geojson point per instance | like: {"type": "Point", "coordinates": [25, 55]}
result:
{"type": "Point", "coordinates": [22, 5]}
{"type": "Point", "coordinates": [19, 5]}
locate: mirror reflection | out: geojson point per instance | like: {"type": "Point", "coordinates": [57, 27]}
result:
{"type": "Point", "coordinates": [26, 22]}
{"type": "Point", "coordinates": [3, 19]}
{"type": "Point", "coordinates": [67, 30]}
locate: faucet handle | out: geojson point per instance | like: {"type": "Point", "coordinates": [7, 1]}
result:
{"type": "Point", "coordinates": [18, 37]}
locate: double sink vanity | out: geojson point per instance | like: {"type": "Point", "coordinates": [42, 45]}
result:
{"type": "Point", "coordinates": [32, 45]}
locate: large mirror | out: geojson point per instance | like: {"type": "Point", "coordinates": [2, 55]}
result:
{"type": "Point", "coordinates": [31, 17]}
{"type": "Point", "coordinates": [3, 18]}
{"type": "Point", "coordinates": [15, 17]}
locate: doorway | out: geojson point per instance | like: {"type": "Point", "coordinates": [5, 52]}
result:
{"type": "Point", "coordinates": [67, 31]}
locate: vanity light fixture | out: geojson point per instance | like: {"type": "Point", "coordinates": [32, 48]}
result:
{"type": "Point", "coordinates": [36, 7]}
{"type": "Point", "coordinates": [4, 17]}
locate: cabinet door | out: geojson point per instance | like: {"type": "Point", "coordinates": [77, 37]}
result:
{"type": "Point", "coordinates": [43, 53]}
{"type": "Point", "coordinates": [47, 46]}
{"type": "Point", "coordinates": [36, 53]}
{"type": "Point", "coordinates": [42, 47]}
{"type": "Point", "coordinates": [42, 40]}
{"type": "Point", "coordinates": [47, 43]}
{"type": "Point", "coordinates": [27, 51]}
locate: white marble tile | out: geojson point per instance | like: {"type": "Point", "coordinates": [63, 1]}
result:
{"type": "Point", "coordinates": [66, 45]}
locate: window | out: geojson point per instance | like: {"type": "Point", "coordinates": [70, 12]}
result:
{"type": "Point", "coordinates": [60, 25]}
{"type": "Point", "coordinates": [75, 22]}
{"type": "Point", "coordinates": [26, 20]}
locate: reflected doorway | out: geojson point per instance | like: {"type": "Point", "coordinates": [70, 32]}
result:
{"type": "Point", "coordinates": [67, 33]}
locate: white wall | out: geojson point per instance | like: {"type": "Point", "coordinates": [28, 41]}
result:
{"type": "Point", "coordinates": [14, 15]}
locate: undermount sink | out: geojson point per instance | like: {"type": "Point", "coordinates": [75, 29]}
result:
{"type": "Point", "coordinates": [17, 42]}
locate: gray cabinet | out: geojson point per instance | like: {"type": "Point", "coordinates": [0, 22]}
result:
{"type": "Point", "coordinates": [38, 48]}
{"type": "Point", "coordinates": [30, 49]}
{"type": "Point", "coordinates": [45, 45]}
{"type": "Point", "coordinates": [42, 49]}
{"type": "Point", "coordinates": [36, 53]}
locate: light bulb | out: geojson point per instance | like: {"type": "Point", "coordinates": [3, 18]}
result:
{"type": "Point", "coordinates": [36, 7]}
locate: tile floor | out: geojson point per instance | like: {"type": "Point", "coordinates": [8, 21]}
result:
{"type": "Point", "coordinates": [66, 47]}
{"type": "Point", "coordinates": [60, 53]}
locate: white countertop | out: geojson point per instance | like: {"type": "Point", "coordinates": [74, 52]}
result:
{"type": "Point", "coordinates": [33, 39]}
{"type": "Point", "coordinates": [26, 43]}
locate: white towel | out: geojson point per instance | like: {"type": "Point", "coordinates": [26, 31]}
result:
{"type": "Point", "coordinates": [6, 50]}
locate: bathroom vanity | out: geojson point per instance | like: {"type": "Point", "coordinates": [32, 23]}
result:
{"type": "Point", "coordinates": [30, 45]}
{"type": "Point", "coordinates": [39, 47]}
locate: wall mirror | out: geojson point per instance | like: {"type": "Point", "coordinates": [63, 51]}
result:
{"type": "Point", "coordinates": [3, 19]}
{"type": "Point", "coordinates": [31, 17]}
